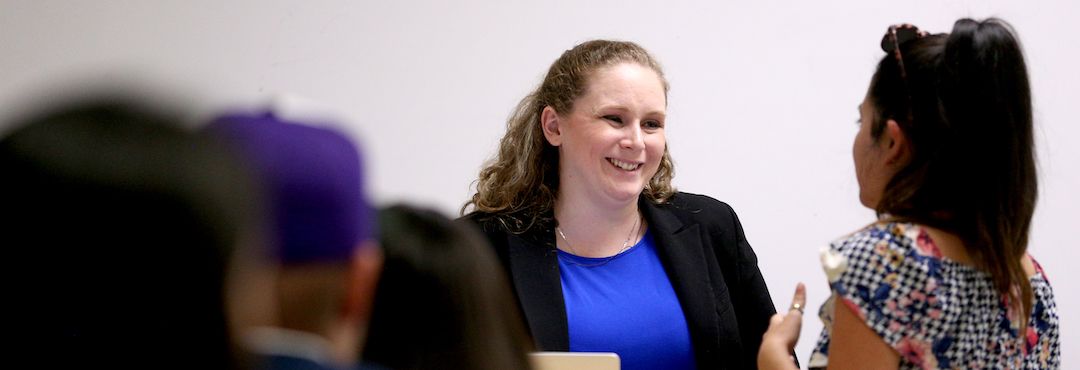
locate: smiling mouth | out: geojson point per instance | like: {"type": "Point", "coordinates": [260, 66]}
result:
{"type": "Point", "coordinates": [624, 165]}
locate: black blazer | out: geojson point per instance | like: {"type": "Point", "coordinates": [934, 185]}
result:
{"type": "Point", "coordinates": [706, 256]}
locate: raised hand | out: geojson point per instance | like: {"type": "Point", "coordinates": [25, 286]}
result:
{"type": "Point", "coordinates": [779, 340]}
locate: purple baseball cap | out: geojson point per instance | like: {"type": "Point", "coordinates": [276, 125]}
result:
{"type": "Point", "coordinates": [313, 180]}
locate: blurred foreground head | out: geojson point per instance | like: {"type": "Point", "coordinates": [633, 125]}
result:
{"type": "Point", "coordinates": [322, 232]}
{"type": "Point", "coordinates": [443, 301]}
{"type": "Point", "coordinates": [314, 181]}
{"type": "Point", "coordinates": [119, 229]}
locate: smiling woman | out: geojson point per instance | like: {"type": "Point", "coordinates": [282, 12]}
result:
{"type": "Point", "coordinates": [612, 142]}
{"type": "Point", "coordinates": [603, 253]}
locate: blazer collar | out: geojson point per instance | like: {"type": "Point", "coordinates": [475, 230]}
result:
{"type": "Point", "coordinates": [660, 219]}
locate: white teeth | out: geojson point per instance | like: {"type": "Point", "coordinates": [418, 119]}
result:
{"type": "Point", "coordinates": [623, 165]}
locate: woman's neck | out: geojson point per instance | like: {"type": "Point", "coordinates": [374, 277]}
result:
{"type": "Point", "coordinates": [590, 229]}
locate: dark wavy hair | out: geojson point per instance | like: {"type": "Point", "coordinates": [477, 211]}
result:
{"type": "Point", "coordinates": [965, 105]}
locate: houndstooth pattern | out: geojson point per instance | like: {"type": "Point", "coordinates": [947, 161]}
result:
{"type": "Point", "coordinates": [934, 312]}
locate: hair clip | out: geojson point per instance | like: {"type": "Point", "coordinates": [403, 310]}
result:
{"type": "Point", "coordinates": [898, 35]}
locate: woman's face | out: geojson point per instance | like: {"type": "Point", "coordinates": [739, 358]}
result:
{"type": "Point", "coordinates": [869, 166]}
{"type": "Point", "coordinates": [610, 146]}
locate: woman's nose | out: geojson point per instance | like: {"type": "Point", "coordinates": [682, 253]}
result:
{"type": "Point", "coordinates": [633, 138]}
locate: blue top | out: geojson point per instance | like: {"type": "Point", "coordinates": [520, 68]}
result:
{"type": "Point", "coordinates": [627, 306]}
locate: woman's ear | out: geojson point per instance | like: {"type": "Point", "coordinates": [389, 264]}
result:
{"type": "Point", "coordinates": [549, 121]}
{"type": "Point", "coordinates": [898, 150]}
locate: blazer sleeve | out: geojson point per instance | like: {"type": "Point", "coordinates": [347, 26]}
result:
{"type": "Point", "coordinates": [749, 295]}
{"type": "Point", "coordinates": [754, 306]}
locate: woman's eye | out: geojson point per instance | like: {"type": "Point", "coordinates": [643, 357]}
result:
{"type": "Point", "coordinates": [653, 124]}
{"type": "Point", "coordinates": [614, 118]}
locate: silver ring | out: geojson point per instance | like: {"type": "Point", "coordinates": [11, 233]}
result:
{"type": "Point", "coordinates": [796, 306]}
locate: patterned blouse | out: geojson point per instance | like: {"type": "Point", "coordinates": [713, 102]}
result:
{"type": "Point", "coordinates": [936, 313]}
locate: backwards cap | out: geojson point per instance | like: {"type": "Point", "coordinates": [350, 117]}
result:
{"type": "Point", "coordinates": [313, 182]}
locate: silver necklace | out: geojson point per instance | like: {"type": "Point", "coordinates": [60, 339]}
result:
{"type": "Point", "coordinates": [625, 245]}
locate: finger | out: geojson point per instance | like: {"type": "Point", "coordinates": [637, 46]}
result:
{"type": "Point", "coordinates": [776, 319]}
{"type": "Point", "coordinates": [800, 295]}
{"type": "Point", "coordinates": [798, 303]}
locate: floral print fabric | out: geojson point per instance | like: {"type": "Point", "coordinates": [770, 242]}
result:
{"type": "Point", "coordinates": [936, 313]}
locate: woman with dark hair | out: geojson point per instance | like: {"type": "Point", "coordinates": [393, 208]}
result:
{"type": "Point", "coordinates": [945, 156]}
{"type": "Point", "coordinates": [603, 253]}
{"type": "Point", "coordinates": [443, 301]}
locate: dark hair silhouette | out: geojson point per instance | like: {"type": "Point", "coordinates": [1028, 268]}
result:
{"type": "Point", "coordinates": [443, 301]}
{"type": "Point", "coordinates": [969, 120]}
{"type": "Point", "coordinates": [119, 228]}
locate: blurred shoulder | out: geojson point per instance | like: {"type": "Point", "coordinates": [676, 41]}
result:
{"type": "Point", "coordinates": [898, 237]}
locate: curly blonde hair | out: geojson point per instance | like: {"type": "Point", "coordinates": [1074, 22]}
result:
{"type": "Point", "coordinates": [519, 186]}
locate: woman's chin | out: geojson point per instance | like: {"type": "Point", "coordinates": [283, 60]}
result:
{"type": "Point", "coordinates": [626, 194]}
{"type": "Point", "coordinates": [868, 202]}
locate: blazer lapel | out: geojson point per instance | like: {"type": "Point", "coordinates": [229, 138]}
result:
{"type": "Point", "coordinates": [535, 269]}
{"type": "Point", "coordinates": [680, 248]}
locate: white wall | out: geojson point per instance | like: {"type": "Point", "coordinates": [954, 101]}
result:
{"type": "Point", "coordinates": [762, 106]}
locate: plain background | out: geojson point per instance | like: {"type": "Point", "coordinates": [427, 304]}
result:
{"type": "Point", "coordinates": [762, 107]}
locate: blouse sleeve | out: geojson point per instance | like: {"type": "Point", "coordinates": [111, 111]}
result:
{"type": "Point", "coordinates": [886, 275]}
